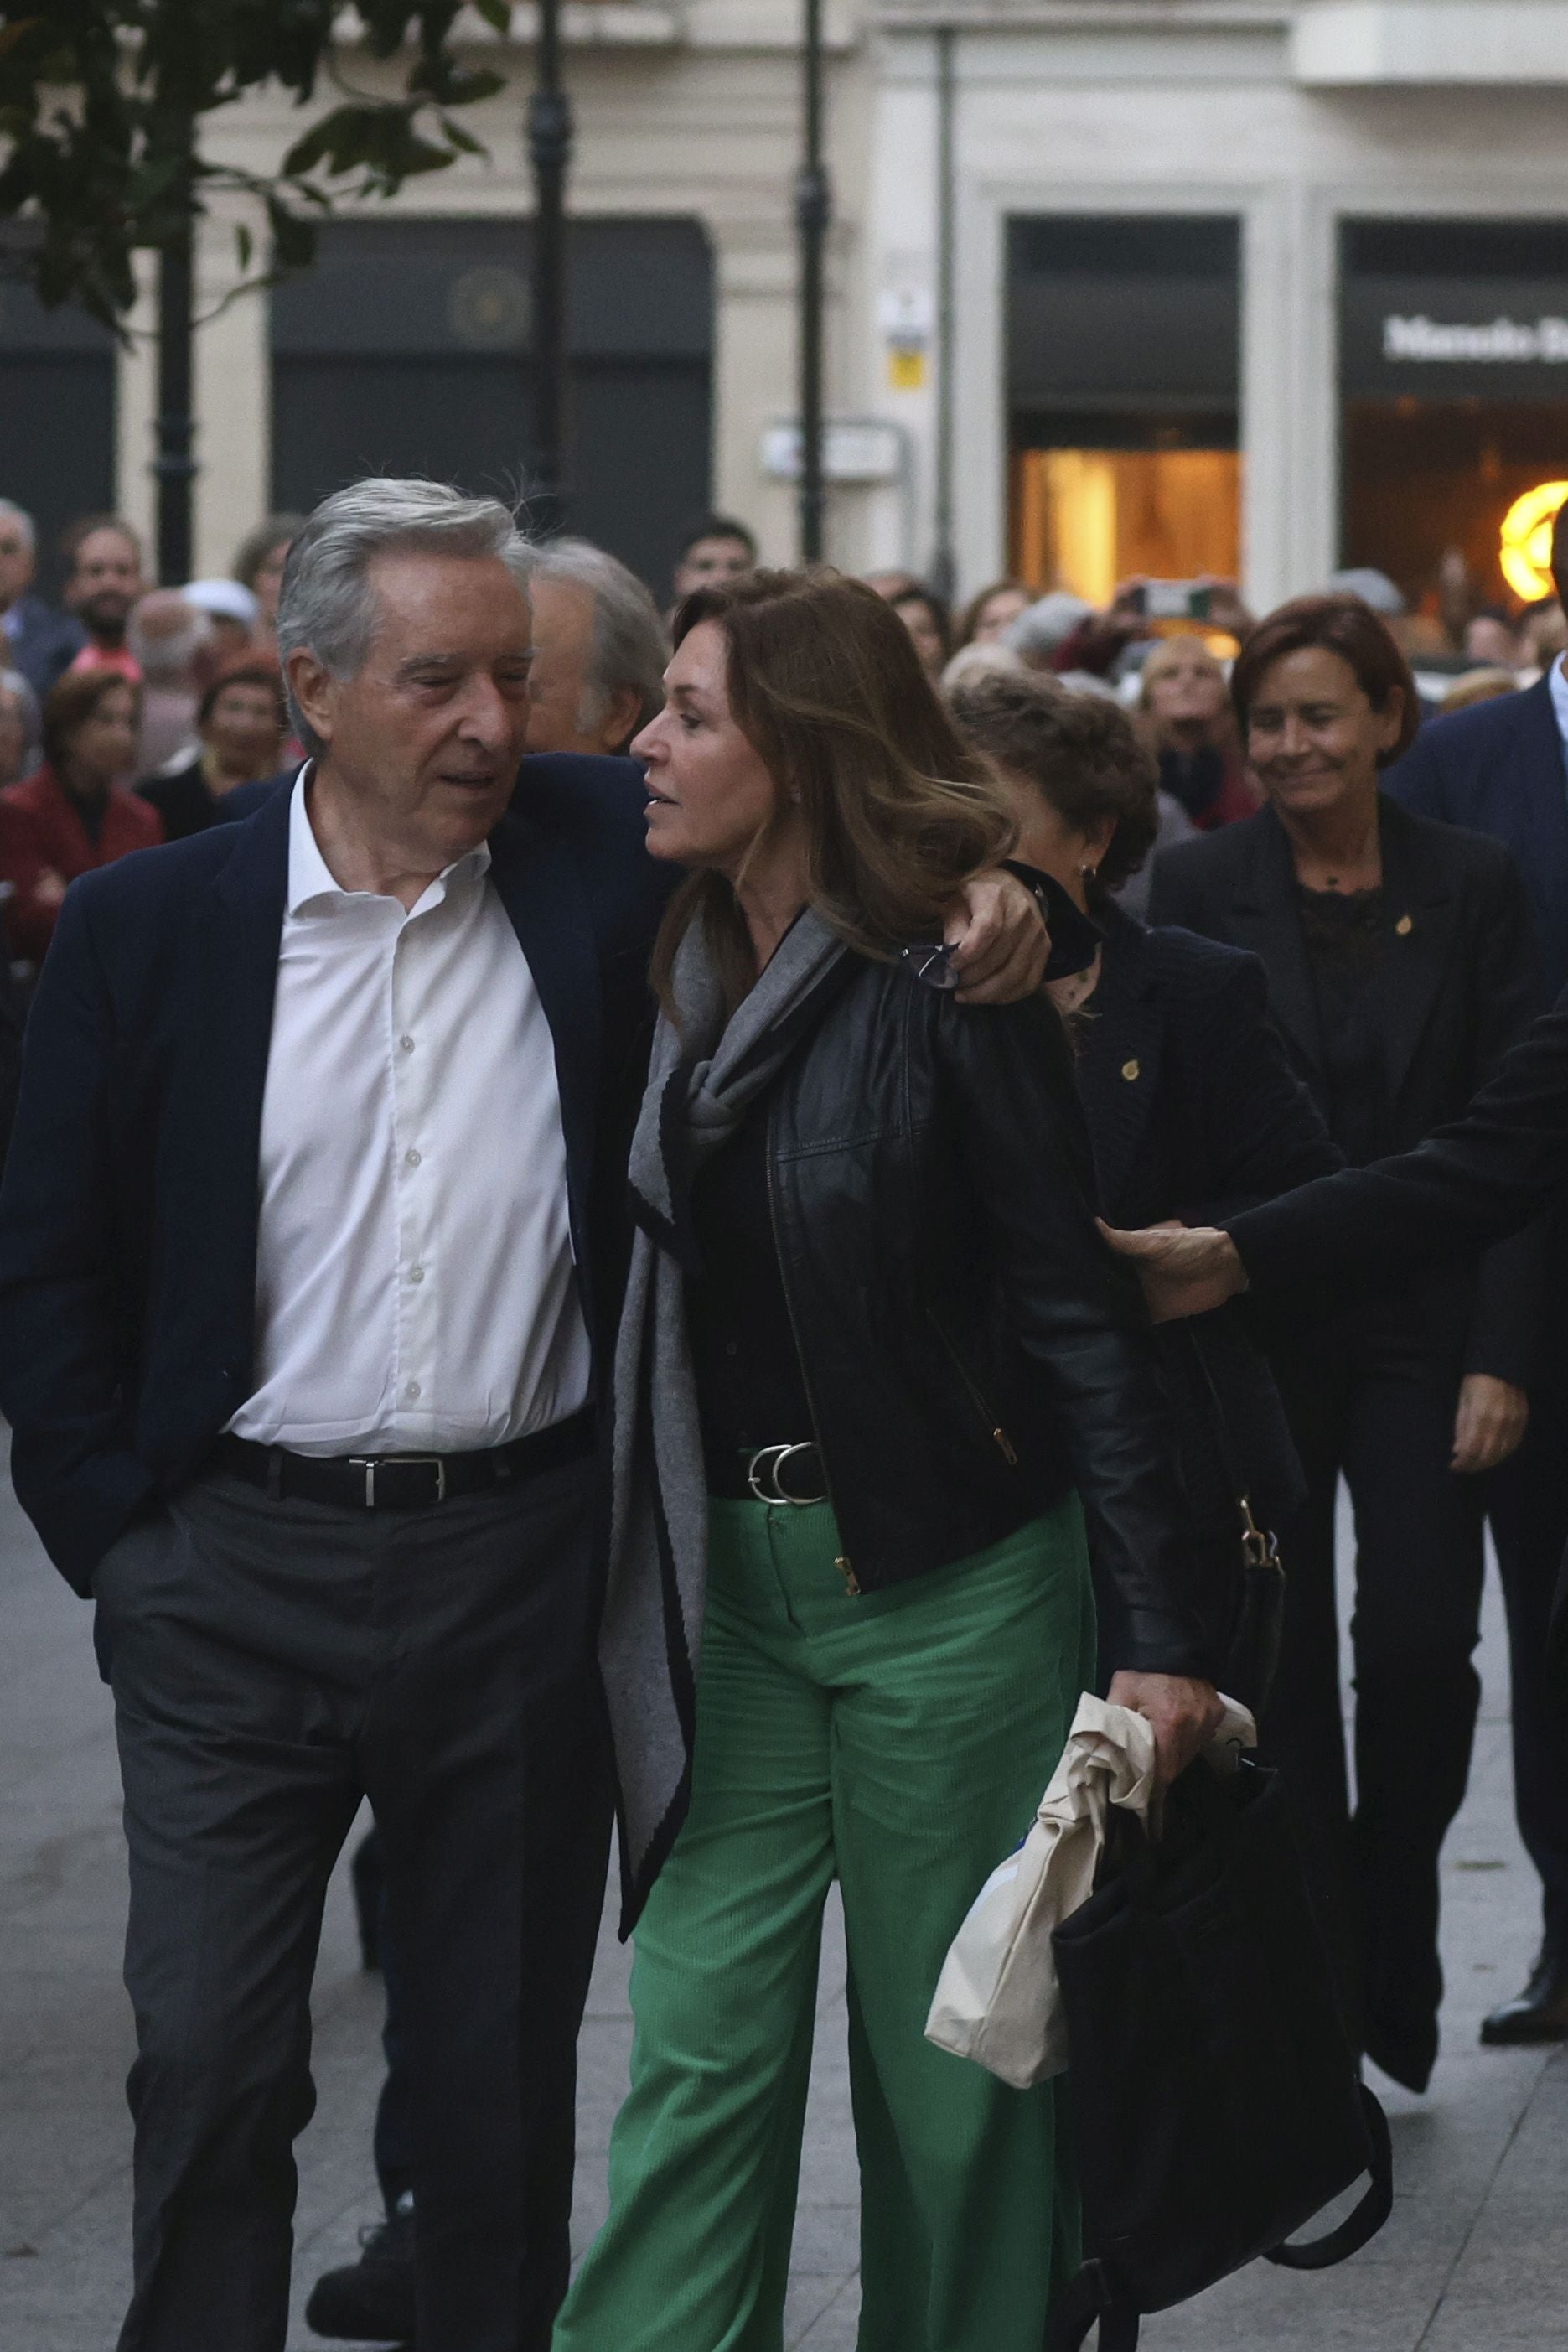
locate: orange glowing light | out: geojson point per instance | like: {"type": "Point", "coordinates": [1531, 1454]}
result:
{"type": "Point", "coordinates": [1525, 553]}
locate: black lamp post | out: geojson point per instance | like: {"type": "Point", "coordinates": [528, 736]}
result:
{"type": "Point", "coordinates": [813, 214]}
{"type": "Point", "coordinates": [944, 573]}
{"type": "Point", "coordinates": [175, 467]}
{"type": "Point", "coordinates": [549, 150]}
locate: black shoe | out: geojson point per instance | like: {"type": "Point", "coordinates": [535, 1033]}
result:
{"type": "Point", "coordinates": [370, 2301]}
{"type": "Point", "coordinates": [1540, 2014]}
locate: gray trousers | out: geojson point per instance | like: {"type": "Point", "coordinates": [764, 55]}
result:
{"type": "Point", "coordinates": [272, 1662]}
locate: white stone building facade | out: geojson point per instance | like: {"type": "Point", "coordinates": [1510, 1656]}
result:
{"type": "Point", "coordinates": [1236, 347]}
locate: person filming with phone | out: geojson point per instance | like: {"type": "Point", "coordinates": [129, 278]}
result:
{"type": "Point", "coordinates": [1097, 641]}
{"type": "Point", "coordinates": [1185, 705]}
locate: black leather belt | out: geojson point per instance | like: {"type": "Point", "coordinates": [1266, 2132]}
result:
{"type": "Point", "coordinates": [403, 1482]}
{"type": "Point", "coordinates": [774, 1474]}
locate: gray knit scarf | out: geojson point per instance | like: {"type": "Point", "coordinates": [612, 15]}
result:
{"type": "Point", "coordinates": [704, 1074]}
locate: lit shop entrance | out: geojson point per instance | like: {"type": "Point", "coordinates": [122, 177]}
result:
{"type": "Point", "coordinates": [1123, 335]}
{"type": "Point", "coordinates": [1454, 386]}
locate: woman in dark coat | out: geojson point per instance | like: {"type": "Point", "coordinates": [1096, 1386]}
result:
{"type": "Point", "coordinates": [1188, 1085]}
{"type": "Point", "coordinates": [1400, 969]}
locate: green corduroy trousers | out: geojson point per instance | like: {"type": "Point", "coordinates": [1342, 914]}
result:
{"type": "Point", "coordinates": [898, 1741]}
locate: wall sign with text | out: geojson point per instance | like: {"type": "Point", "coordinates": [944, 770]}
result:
{"type": "Point", "coordinates": [1495, 339]}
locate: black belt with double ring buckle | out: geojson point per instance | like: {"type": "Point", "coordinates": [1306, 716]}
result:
{"type": "Point", "coordinates": [766, 1473]}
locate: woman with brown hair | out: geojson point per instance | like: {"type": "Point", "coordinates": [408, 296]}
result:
{"type": "Point", "coordinates": [874, 1374]}
{"type": "Point", "coordinates": [926, 618]}
{"type": "Point", "coordinates": [72, 813]}
{"type": "Point", "coordinates": [988, 616]}
{"type": "Point", "coordinates": [1401, 971]}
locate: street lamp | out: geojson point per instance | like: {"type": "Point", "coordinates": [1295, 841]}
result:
{"type": "Point", "coordinates": [814, 214]}
{"type": "Point", "coordinates": [549, 148]}
{"type": "Point", "coordinates": [175, 467]}
{"type": "Point", "coordinates": [944, 573]}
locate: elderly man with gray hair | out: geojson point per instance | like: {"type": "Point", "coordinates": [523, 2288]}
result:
{"type": "Point", "coordinates": [308, 1251]}
{"type": "Point", "coordinates": [170, 640]}
{"type": "Point", "coordinates": [600, 650]}
{"type": "Point", "coordinates": [301, 1272]}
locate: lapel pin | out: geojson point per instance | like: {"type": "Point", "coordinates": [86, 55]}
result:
{"type": "Point", "coordinates": [1405, 927]}
{"type": "Point", "coordinates": [1130, 1069]}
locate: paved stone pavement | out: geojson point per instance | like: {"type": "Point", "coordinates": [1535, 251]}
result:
{"type": "Point", "coordinates": [1476, 2256]}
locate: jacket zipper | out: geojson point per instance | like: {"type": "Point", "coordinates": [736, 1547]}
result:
{"type": "Point", "coordinates": [841, 1563]}
{"type": "Point", "coordinates": [1000, 1437]}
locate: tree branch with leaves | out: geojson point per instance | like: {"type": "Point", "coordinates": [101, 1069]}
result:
{"type": "Point", "coordinates": [102, 103]}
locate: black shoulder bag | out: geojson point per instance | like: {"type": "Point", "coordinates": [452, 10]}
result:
{"type": "Point", "coordinates": [1235, 1380]}
{"type": "Point", "coordinates": [1215, 2097]}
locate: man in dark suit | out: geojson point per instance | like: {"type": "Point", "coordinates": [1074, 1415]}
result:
{"type": "Point", "coordinates": [1499, 769]}
{"type": "Point", "coordinates": [307, 1153]}
{"type": "Point", "coordinates": [308, 1259]}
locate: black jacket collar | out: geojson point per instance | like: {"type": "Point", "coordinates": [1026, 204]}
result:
{"type": "Point", "coordinates": [1421, 902]}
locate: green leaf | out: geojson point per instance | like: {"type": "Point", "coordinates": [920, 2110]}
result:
{"type": "Point", "coordinates": [464, 140]}
{"type": "Point", "coordinates": [314, 148]}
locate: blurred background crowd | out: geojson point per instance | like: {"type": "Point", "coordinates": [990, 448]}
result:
{"type": "Point", "coordinates": [128, 712]}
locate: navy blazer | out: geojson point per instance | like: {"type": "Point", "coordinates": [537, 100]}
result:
{"type": "Point", "coordinates": [1194, 1108]}
{"type": "Point", "coordinates": [128, 1210]}
{"type": "Point", "coordinates": [1499, 768]}
{"type": "Point", "coordinates": [1456, 988]}
{"type": "Point", "coordinates": [1195, 1112]}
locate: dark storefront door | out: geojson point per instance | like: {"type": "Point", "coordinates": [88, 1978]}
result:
{"type": "Point", "coordinates": [56, 415]}
{"type": "Point", "coordinates": [404, 351]}
{"type": "Point", "coordinates": [1454, 377]}
{"type": "Point", "coordinates": [1123, 369]}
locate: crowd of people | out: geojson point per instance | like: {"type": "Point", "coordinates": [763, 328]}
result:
{"type": "Point", "coordinates": [326, 1299]}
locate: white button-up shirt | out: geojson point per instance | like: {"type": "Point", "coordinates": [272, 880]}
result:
{"type": "Point", "coordinates": [415, 1291]}
{"type": "Point", "coordinates": [1557, 686]}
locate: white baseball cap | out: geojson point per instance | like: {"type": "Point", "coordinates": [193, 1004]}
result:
{"type": "Point", "coordinates": [226, 600]}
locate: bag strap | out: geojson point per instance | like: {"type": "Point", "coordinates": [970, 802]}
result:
{"type": "Point", "coordinates": [1089, 2298]}
{"type": "Point", "coordinates": [1259, 1546]}
{"type": "Point", "coordinates": [1364, 2223]}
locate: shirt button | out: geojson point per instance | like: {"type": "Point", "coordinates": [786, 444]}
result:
{"type": "Point", "coordinates": [411, 1159]}
{"type": "Point", "coordinates": [416, 1273]}
{"type": "Point", "coordinates": [411, 1389]}
{"type": "Point", "coordinates": [407, 1045]}
{"type": "Point", "coordinates": [731, 1348]}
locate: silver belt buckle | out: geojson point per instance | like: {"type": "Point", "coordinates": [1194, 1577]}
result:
{"type": "Point", "coordinates": [369, 1463]}
{"type": "Point", "coordinates": [766, 1465]}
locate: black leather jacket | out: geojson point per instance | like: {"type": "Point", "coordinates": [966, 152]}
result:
{"type": "Point", "coordinates": [972, 1350]}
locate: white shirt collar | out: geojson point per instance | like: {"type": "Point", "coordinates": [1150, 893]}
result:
{"type": "Point", "coordinates": [311, 880]}
{"type": "Point", "coordinates": [1557, 686]}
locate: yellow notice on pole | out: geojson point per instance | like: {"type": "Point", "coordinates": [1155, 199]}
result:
{"type": "Point", "coordinates": [906, 367]}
